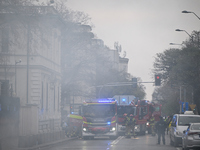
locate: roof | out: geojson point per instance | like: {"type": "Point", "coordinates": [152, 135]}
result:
{"type": "Point", "coordinates": [186, 115]}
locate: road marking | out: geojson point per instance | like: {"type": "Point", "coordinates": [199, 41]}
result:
{"type": "Point", "coordinates": [134, 138]}
{"type": "Point", "coordinates": [116, 141]}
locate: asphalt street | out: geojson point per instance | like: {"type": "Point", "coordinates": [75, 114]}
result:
{"type": "Point", "coordinates": [146, 142]}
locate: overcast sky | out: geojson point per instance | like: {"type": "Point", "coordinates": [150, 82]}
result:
{"type": "Point", "coordinates": [142, 27]}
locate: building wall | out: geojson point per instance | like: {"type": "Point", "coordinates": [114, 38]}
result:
{"type": "Point", "coordinates": [42, 41]}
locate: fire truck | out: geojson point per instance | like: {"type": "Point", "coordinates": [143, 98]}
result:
{"type": "Point", "coordinates": [121, 110]}
{"type": "Point", "coordinates": [145, 109]}
{"type": "Point", "coordinates": [99, 118]}
{"type": "Point", "coordinates": [156, 113]}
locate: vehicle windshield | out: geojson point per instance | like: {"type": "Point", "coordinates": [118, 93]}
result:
{"type": "Point", "coordinates": [121, 110]}
{"type": "Point", "coordinates": [186, 120]}
{"type": "Point", "coordinates": [157, 108]}
{"type": "Point", "coordinates": [101, 110]}
{"type": "Point", "coordinates": [195, 127]}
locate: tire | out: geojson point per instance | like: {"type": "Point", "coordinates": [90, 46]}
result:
{"type": "Point", "coordinates": [85, 138]}
{"type": "Point", "coordinates": [142, 133]}
{"type": "Point", "coordinates": [171, 142]}
{"type": "Point", "coordinates": [175, 142]}
{"type": "Point", "coordinates": [149, 131]}
{"type": "Point", "coordinates": [113, 137]}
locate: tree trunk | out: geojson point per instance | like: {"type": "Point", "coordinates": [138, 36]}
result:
{"type": "Point", "coordinates": [197, 98]}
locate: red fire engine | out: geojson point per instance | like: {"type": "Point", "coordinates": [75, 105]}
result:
{"type": "Point", "coordinates": [145, 109]}
{"type": "Point", "coordinates": [121, 110]}
{"type": "Point", "coordinates": [99, 118]}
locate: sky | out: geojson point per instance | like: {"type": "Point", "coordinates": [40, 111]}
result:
{"type": "Point", "coordinates": [142, 27]}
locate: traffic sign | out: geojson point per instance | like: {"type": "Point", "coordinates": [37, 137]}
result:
{"type": "Point", "coordinates": [185, 106]}
{"type": "Point", "coordinates": [192, 106]}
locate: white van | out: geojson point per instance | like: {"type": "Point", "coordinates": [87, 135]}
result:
{"type": "Point", "coordinates": [180, 122]}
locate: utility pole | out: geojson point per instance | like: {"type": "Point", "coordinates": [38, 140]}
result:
{"type": "Point", "coordinates": [28, 55]}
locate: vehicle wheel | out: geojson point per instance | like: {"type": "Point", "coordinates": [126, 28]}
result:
{"type": "Point", "coordinates": [175, 142]}
{"type": "Point", "coordinates": [171, 142]}
{"type": "Point", "coordinates": [149, 131]}
{"type": "Point", "coordinates": [113, 137]}
{"type": "Point", "coordinates": [85, 137]}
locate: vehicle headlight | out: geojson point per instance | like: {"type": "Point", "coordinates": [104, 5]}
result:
{"type": "Point", "coordinates": [178, 133]}
{"type": "Point", "coordinates": [84, 129]}
{"type": "Point", "coordinates": [147, 123]}
{"type": "Point", "coordinates": [190, 138]}
{"type": "Point", "coordinates": [113, 129]}
{"type": "Point", "coordinates": [136, 127]}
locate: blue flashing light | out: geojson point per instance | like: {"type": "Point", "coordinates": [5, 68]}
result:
{"type": "Point", "coordinates": [123, 99]}
{"type": "Point", "coordinates": [108, 123]}
{"type": "Point", "coordinates": [104, 101]}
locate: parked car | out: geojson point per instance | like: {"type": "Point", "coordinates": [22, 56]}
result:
{"type": "Point", "coordinates": [191, 137]}
{"type": "Point", "coordinates": [180, 122]}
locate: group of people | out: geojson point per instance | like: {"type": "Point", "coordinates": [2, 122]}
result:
{"type": "Point", "coordinates": [130, 125]}
{"type": "Point", "coordinates": [156, 127]}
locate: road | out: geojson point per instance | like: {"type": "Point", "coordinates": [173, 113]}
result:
{"type": "Point", "coordinates": [146, 142]}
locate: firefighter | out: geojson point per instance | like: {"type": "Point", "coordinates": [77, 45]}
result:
{"type": "Point", "coordinates": [132, 120]}
{"type": "Point", "coordinates": [168, 121]}
{"type": "Point", "coordinates": [128, 127]}
{"type": "Point", "coordinates": [152, 125]}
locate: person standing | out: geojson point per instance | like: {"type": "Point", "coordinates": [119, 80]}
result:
{"type": "Point", "coordinates": [128, 125]}
{"type": "Point", "coordinates": [132, 122]}
{"type": "Point", "coordinates": [152, 125]}
{"type": "Point", "coordinates": [160, 128]}
{"type": "Point", "coordinates": [168, 121]}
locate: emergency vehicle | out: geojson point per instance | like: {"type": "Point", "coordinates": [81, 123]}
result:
{"type": "Point", "coordinates": [99, 118]}
{"type": "Point", "coordinates": [145, 109]}
{"type": "Point", "coordinates": [121, 110]}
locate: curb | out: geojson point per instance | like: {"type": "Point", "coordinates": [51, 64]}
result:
{"type": "Point", "coordinates": [47, 145]}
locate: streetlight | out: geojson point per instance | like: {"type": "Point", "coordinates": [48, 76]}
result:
{"type": "Point", "coordinates": [16, 62]}
{"type": "Point", "coordinates": [179, 30]}
{"type": "Point", "coordinates": [174, 44]}
{"type": "Point", "coordinates": [185, 11]}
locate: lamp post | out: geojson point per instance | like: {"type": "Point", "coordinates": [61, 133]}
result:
{"type": "Point", "coordinates": [185, 11]}
{"type": "Point", "coordinates": [179, 30]}
{"type": "Point", "coordinates": [16, 62]}
{"type": "Point", "coordinates": [174, 44]}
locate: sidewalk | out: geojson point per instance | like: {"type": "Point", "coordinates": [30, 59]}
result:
{"type": "Point", "coordinates": [12, 144]}
{"type": "Point", "coordinates": [46, 145]}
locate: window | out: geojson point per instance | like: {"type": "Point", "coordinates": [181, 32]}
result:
{"type": "Point", "coordinates": [5, 40]}
{"type": "Point", "coordinates": [195, 127]}
{"type": "Point", "coordinates": [47, 90]}
{"type": "Point", "coordinates": [186, 120]}
{"type": "Point", "coordinates": [54, 98]}
{"type": "Point", "coordinates": [42, 97]}
{"type": "Point", "coordinates": [58, 97]}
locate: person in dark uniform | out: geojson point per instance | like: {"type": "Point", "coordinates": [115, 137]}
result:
{"type": "Point", "coordinates": [160, 128]}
